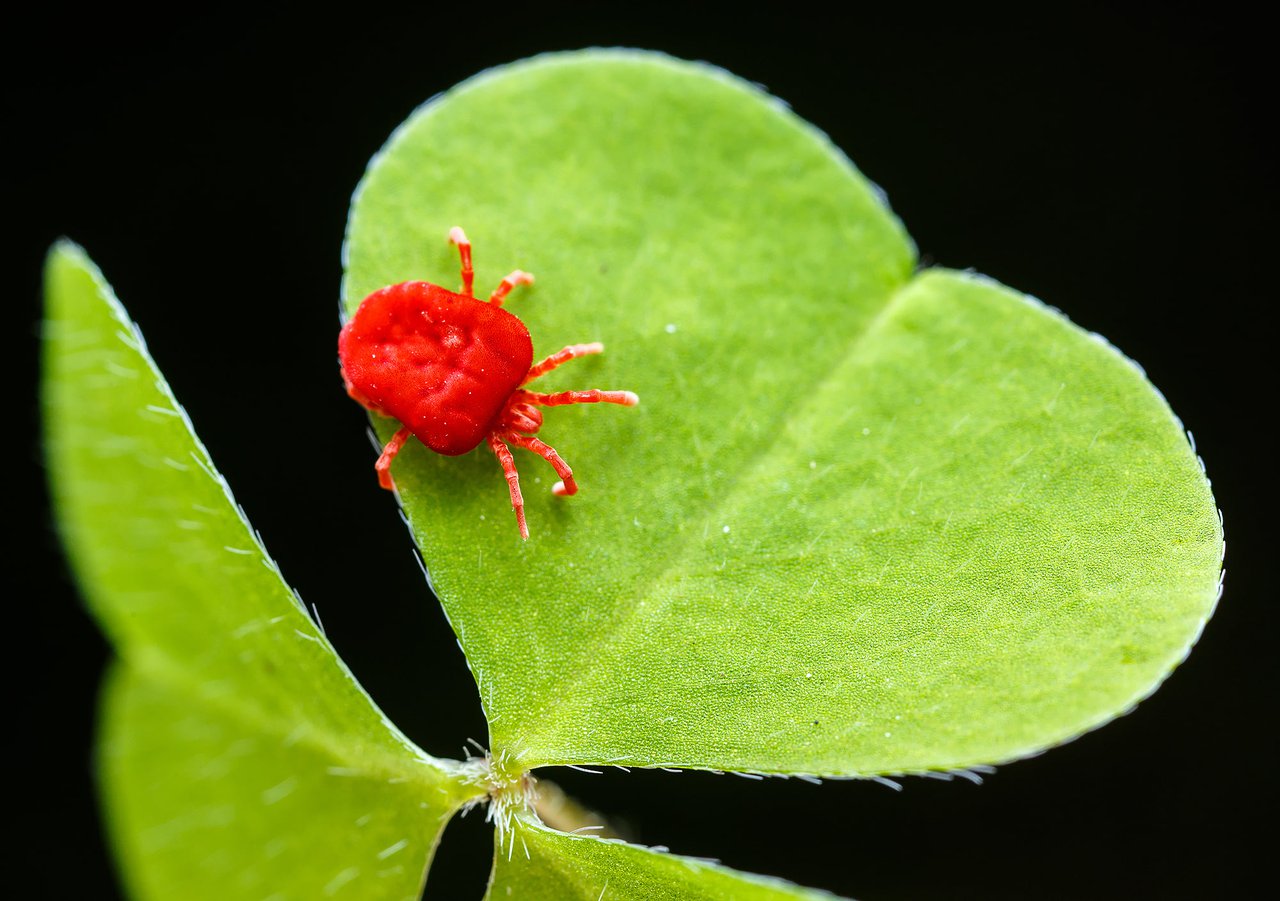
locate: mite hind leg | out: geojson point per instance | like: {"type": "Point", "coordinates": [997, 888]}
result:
{"type": "Point", "coordinates": [592, 396]}
{"type": "Point", "coordinates": [508, 462]}
{"type": "Point", "coordinates": [567, 485]}
{"type": "Point", "coordinates": [383, 466]}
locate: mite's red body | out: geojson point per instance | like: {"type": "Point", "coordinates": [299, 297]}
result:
{"type": "Point", "coordinates": [443, 364]}
{"type": "Point", "coordinates": [450, 368]}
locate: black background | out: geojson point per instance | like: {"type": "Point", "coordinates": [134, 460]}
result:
{"type": "Point", "coordinates": [1110, 162]}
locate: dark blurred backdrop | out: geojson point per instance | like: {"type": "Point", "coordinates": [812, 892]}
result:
{"type": "Point", "coordinates": [1110, 162]}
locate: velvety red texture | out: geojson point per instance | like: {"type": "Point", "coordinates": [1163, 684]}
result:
{"type": "Point", "coordinates": [442, 363]}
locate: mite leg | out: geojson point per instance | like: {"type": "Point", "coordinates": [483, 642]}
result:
{"type": "Point", "coordinates": [593, 396]}
{"type": "Point", "coordinates": [500, 293]}
{"type": "Point", "coordinates": [459, 237]}
{"type": "Point", "coordinates": [560, 357]}
{"type": "Point", "coordinates": [503, 453]}
{"type": "Point", "coordinates": [563, 488]}
{"type": "Point", "coordinates": [356, 395]}
{"type": "Point", "coordinates": [383, 466]}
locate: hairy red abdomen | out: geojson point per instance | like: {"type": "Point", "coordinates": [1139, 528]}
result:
{"type": "Point", "coordinates": [444, 364]}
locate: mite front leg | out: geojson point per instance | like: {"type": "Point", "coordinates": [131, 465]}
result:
{"type": "Point", "coordinates": [383, 466]}
{"type": "Point", "coordinates": [459, 237]}
{"type": "Point", "coordinates": [519, 277]}
{"type": "Point", "coordinates": [503, 453]}
{"type": "Point", "coordinates": [562, 488]}
{"type": "Point", "coordinates": [560, 357]}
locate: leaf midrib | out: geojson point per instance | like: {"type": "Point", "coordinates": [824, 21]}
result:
{"type": "Point", "coordinates": [627, 619]}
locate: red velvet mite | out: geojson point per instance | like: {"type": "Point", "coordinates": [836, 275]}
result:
{"type": "Point", "coordinates": [452, 370]}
